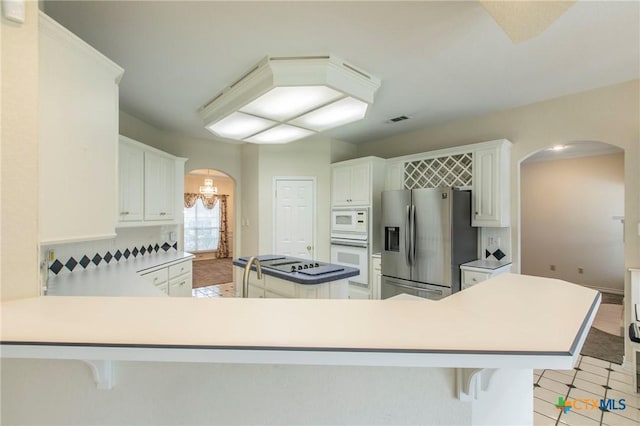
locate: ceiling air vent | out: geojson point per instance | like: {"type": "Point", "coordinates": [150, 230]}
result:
{"type": "Point", "coordinates": [398, 118]}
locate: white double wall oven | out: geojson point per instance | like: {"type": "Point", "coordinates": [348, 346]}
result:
{"type": "Point", "coordinates": [350, 246]}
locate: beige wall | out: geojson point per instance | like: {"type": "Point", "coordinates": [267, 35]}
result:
{"type": "Point", "coordinates": [567, 220]}
{"type": "Point", "coordinates": [225, 186]}
{"type": "Point", "coordinates": [307, 158]}
{"type": "Point", "coordinates": [19, 157]}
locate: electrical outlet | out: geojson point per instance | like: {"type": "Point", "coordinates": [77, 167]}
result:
{"type": "Point", "coordinates": [580, 271]}
{"type": "Point", "coordinates": [490, 241]}
{"type": "Point", "coordinates": [552, 267]}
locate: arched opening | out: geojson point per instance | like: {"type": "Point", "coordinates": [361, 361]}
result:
{"type": "Point", "coordinates": [209, 224]}
{"type": "Point", "coordinates": [572, 228]}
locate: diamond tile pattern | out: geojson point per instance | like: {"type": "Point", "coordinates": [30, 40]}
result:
{"type": "Point", "coordinates": [498, 254]}
{"type": "Point", "coordinates": [57, 266]}
{"type": "Point", "coordinates": [71, 264]}
{"type": "Point", "coordinates": [85, 261]}
{"type": "Point", "coordinates": [591, 379]}
{"type": "Point", "coordinates": [452, 170]}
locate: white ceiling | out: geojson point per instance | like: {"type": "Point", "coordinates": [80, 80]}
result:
{"type": "Point", "coordinates": [438, 61]}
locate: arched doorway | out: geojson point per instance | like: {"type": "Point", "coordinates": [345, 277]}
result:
{"type": "Point", "coordinates": [571, 228]}
{"type": "Point", "coordinates": [208, 231]}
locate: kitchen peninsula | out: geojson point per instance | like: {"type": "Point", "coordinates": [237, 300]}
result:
{"type": "Point", "coordinates": [449, 360]}
{"type": "Point", "coordinates": [292, 277]}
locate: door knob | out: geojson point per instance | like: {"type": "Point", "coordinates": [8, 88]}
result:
{"type": "Point", "coordinates": [309, 248]}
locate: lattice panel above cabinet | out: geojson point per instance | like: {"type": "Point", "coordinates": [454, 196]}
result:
{"type": "Point", "coordinates": [452, 170]}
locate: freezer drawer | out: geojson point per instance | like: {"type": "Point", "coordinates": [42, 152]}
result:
{"type": "Point", "coordinates": [393, 286]}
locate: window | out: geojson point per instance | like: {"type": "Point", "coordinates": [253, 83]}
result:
{"type": "Point", "coordinates": [201, 227]}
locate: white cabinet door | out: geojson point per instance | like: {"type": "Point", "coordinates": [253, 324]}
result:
{"type": "Point", "coordinates": [491, 186]}
{"type": "Point", "coordinates": [360, 185]}
{"type": "Point", "coordinates": [351, 185]}
{"type": "Point", "coordinates": [159, 187]}
{"type": "Point", "coordinates": [131, 178]}
{"type": "Point", "coordinates": [376, 277]}
{"type": "Point", "coordinates": [181, 286]}
{"type": "Point", "coordinates": [341, 186]}
{"type": "Point", "coordinates": [78, 114]}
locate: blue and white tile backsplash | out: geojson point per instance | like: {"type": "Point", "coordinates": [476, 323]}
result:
{"type": "Point", "coordinates": [130, 243]}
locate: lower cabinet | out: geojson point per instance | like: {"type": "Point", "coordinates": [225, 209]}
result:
{"type": "Point", "coordinates": [474, 275]}
{"type": "Point", "coordinates": [272, 287]}
{"type": "Point", "coordinates": [376, 277]}
{"type": "Point", "coordinates": [174, 280]}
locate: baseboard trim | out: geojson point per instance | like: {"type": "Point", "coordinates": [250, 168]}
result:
{"type": "Point", "coordinates": [605, 289]}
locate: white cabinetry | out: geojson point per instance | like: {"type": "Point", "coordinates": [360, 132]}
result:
{"type": "Point", "coordinates": [491, 186]}
{"type": "Point", "coordinates": [272, 287]}
{"type": "Point", "coordinates": [354, 182]}
{"type": "Point", "coordinates": [174, 280]}
{"type": "Point", "coordinates": [376, 276]}
{"type": "Point", "coordinates": [151, 185]}
{"type": "Point", "coordinates": [159, 187]}
{"type": "Point", "coordinates": [472, 275]}
{"type": "Point", "coordinates": [78, 91]}
{"type": "Point", "coordinates": [131, 182]}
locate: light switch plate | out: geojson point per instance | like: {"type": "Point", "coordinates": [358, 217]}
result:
{"type": "Point", "coordinates": [14, 10]}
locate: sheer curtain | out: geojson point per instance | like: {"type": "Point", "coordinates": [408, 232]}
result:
{"type": "Point", "coordinates": [205, 223]}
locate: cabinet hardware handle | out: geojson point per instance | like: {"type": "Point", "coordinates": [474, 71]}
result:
{"type": "Point", "coordinates": [123, 213]}
{"type": "Point", "coordinates": [183, 283]}
{"type": "Point", "coordinates": [473, 279]}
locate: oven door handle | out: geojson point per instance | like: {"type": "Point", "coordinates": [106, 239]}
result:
{"type": "Point", "coordinates": [350, 244]}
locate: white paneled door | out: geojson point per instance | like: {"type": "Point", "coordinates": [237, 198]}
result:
{"type": "Point", "coordinates": [294, 231]}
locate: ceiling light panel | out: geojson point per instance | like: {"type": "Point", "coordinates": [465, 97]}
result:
{"type": "Point", "coordinates": [238, 126]}
{"type": "Point", "coordinates": [336, 114]}
{"type": "Point", "coordinates": [284, 103]}
{"type": "Point", "coordinates": [280, 134]}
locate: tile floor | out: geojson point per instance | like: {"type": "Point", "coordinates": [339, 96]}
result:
{"type": "Point", "coordinates": [220, 290]}
{"type": "Point", "coordinates": [591, 379]}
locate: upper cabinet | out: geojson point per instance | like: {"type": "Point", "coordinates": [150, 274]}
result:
{"type": "Point", "coordinates": [131, 182]}
{"type": "Point", "coordinates": [354, 183]}
{"type": "Point", "coordinates": [151, 185]}
{"type": "Point", "coordinates": [484, 168]}
{"type": "Point", "coordinates": [78, 90]}
{"type": "Point", "coordinates": [491, 186]}
{"type": "Point", "coordinates": [159, 187]}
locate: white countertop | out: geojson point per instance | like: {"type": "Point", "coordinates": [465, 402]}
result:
{"type": "Point", "coordinates": [510, 320]}
{"type": "Point", "coordinates": [115, 279]}
{"type": "Point", "coordinates": [485, 264]}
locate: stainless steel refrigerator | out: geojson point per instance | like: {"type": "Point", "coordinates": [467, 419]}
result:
{"type": "Point", "coordinates": [427, 236]}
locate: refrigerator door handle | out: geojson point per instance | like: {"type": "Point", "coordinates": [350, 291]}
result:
{"type": "Point", "coordinates": [413, 234]}
{"type": "Point", "coordinates": [407, 241]}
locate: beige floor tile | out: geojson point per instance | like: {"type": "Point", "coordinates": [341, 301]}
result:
{"type": "Point", "coordinates": [546, 395]}
{"type": "Point", "coordinates": [629, 412]}
{"type": "Point", "coordinates": [621, 386]}
{"type": "Point", "coordinates": [538, 372]}
{"type": "Point", "coordinates": [546, 408]}
{"type": "Point", "coordinates": [594, 388]}
{"type": "Point", "coordinates": [573, 418]}
{"type": "Point", "coordinates": [621, 377]}
{"type": "Point", "coordinates": [587, 403]}
{"type": "Point", "coordinates": [619, 369]}
{"type": "Point", "coordinates": [542, 420]}
{"type": "Point", "coordinates": [558, 377]}
{"type": "Point", "coordinates": [590, 377]}
{"type": "Point", "coordinates": [613, 419]}
{"type": "Point", "coordinates": [594, 361]}
{"type": "Point", "coordinates": [560, 388]}
{"type": "Point", "coordinates": [594, 369]}
{"type": "Point", "coordinates": [632, 400]}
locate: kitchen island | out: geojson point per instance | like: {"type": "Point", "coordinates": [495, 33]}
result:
{"type": "Point", "coordinates": [465, 359]}
{"type": "Point", "coordinates": [293, 277]}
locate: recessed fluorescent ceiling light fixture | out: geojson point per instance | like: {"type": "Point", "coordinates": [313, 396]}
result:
{"type": "Point", "coordinates": [285, 99]}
